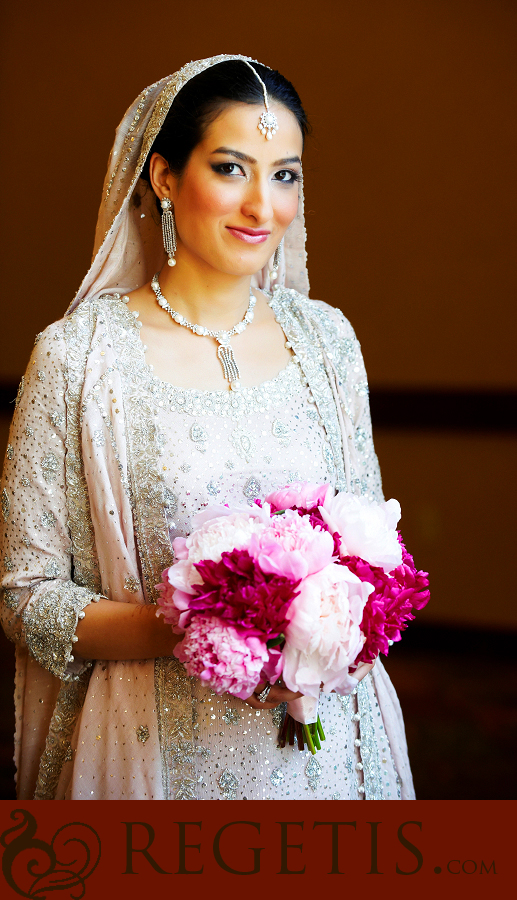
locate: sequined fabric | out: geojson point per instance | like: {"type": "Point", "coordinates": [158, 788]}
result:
{"type": "Point", "coordinates": [100, 447]}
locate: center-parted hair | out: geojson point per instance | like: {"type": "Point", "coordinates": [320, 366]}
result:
{"type": "Point", "coordinates": [201, 100]}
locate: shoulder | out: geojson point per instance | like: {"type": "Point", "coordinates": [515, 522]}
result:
{"type": "Point", "coordinates": [332, 326]}
{"type": "Point", "coordinates": [62, 337]}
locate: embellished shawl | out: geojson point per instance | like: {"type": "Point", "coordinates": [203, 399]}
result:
{"type": "Point", "coordinates": [94, 523]}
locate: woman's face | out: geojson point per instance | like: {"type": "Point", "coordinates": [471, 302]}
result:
{"type": "Point", "coordinates": [238, 192]}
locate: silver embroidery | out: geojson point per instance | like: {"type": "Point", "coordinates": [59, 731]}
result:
{"type": "Point", "coordinates": [10, 451]}
{"type": "Point", "coordinates": [131, 584]}
{"type": "Point", "coordinates": [50, 467]}
{"type": "Point", "coordinates": [313, 771]}
{"type": "Point", "coordinates": [19, 395]}
{"type": "Point", "coordinates": [231, 716]}
{"type": "Point", "coordinates": [77, 335]}
{"type": "Point", "coordinates": [232, 404]}
{"type": "Point", "coordinates": [277, 777]}
{"type": "Point", "coordinates": [170, 501]}
{"type": "Point", "coordinates": [244, 443]}
{"type": "Point", "coordinates": [41, 376]}
{"type": "Point", "coordinates": [58, 749]}
{"type": "Point", "coordinates": [58, 420]}
{"type": "Point", "coordinates": [344, 702]}
{"type": "Point", "coordinates": [6, 505]}
{"type": "Point", "coordinates": [50, 623]}
{"type": "Point", "coordinates": [361, 439]}
{"type": "Point", "coordinates": [8, 564]}
{"type": "Point", "coordinates": [199, 436]}
{"type": "Point", "coordinates": [11, 599]}
{"type": "Point", "coordinates": [29, 431]}
{"type": "Point", "coordinates": [251, 489]}
{"type": "Point", "coordinates": [213, 488]}
{"type": "Point", "coordinates": [277, 714]}
{"type": "Point", "coordinates": [282, 432]}
{"type": "Point", "coordinates": [52, 569]}
{"type": "Point", "coordinates": [228, 784]}
{"type": "Point", "coordinates": [98, 438]}
{"type": "Point", "coordinates": [47, 518]}
{"type": "Point", "coordinates": [142, 733]}
{"type": "Point", "coordinates": [373, 787]}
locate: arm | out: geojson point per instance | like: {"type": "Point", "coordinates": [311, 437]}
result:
{"type": "Point", "coordinates": [42, 607]}
{"type": "Point", "coordinates": [124, 631]}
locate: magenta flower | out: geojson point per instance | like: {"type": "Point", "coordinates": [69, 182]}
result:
{"type": "Point", "coordinates": [389, 608]}
{"type": "Point", "coordinates": [237, 591]}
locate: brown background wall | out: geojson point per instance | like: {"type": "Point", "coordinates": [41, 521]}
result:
{"type": "Point", "coordinates": [410, 180]}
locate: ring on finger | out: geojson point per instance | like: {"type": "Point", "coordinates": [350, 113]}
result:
{"type": "Point", "coordinates": [264, 694]}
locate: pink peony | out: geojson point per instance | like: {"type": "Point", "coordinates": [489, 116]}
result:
{"type": "Point", "coordinates": [291, 546]}
{"type": "Point", "coordinates": [222, 656]}
{"type": "Point", "coordinates": [367, 529]}
{"type": "Point", "coordinates": [300, 494]}
{"type": "Point", "coordinates": [324, 637]}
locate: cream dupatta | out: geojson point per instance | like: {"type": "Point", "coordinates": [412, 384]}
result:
{"type": "Point", "coordinates": [125, 728]}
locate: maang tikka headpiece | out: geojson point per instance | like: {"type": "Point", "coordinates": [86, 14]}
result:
{"type": "Point", "coordinates": [268, 123]}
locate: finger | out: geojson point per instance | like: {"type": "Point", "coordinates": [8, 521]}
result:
{"type": "Point", "coordinates": [276, 696]}
{"type": "Point", "coordinates": [362, 670]}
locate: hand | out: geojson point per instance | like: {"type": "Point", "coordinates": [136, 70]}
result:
{"type": "Point", "coordinates": [362, 670]}
{"type": "Point", "coordinates": [278, 694]}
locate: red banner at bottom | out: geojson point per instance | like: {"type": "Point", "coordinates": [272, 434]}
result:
{"type": "Point", "coordinates": [74, 850]}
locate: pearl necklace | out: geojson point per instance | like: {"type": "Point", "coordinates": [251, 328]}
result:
{"type": "Point", "coordinates": [224, 350]}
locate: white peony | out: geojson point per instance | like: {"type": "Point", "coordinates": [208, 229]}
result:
{"type": "Point", "coordinates": [367, 529]}
{"type": "Point", "coordinates": [227, 533]}
{"type": "Point", "coordinates": [324, 636]}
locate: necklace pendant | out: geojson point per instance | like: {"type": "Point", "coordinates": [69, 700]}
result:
{"type": "Point", "coordinates": [230, 367]}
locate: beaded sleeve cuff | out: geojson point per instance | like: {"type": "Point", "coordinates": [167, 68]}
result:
{"type": "Point", "coordinates": [50, 623]}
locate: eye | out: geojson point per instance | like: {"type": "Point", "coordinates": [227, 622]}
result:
{"type": "Point", "coordinates": [228, 168]}
{"type": "Point", "coordinates": [287, 176]}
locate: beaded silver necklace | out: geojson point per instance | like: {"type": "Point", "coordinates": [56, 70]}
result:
{"type": "Point", "coordinates": [225, 349]}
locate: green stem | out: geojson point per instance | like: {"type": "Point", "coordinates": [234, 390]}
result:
{"type": "Point", "coordinates": [308, 738]}
{"type": "Point", "coordinates": [320, 729]}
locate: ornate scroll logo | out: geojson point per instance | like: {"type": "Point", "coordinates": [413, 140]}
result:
{"type": "Point", "coordinates": [34, 868]}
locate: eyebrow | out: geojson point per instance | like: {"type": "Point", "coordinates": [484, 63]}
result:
{"type": "Point", "coordinates": [288, 161]}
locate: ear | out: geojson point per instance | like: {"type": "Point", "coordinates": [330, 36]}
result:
{"type": "Point", "coordinates": [163, 182]}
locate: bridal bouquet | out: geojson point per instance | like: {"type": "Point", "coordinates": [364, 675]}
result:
{"type": "Point", "coordinates": [307, 584]}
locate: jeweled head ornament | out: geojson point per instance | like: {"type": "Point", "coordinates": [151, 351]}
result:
{"type": "Point", "coordinates": [268, 123]}
{"type": "Point", "coordinates": [128, 245]}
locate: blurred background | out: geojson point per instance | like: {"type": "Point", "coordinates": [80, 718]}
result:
{"type": "Point", "coordinates": [410, 188]}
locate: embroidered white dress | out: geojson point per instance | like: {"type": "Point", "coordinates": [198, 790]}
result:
{"type": "Point", "coordinates": [106, 463]}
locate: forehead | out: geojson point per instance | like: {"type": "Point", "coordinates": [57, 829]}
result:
{"type": "Point", "coordinates": [236, 126]}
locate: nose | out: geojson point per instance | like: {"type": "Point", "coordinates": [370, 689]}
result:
{"type": "Point", "coordinates": [257, 203]}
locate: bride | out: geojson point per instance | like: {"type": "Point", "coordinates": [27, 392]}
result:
{"type": "Point", "coordinates": [191, 368]}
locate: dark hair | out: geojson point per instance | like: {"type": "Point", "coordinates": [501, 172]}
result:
{"type": "Point", "coordinates": [201, 100]}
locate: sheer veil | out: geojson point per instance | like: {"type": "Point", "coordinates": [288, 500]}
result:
{"type": "Point", "coordinates": [128, 247]}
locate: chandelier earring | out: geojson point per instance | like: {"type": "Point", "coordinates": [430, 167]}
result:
{"type": "Point", "coordinates": [273, 275]}
{"type": "Point", "coordinates": [168, 230]}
